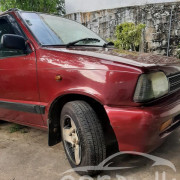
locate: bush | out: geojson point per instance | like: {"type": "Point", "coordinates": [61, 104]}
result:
{"type": "Point", "coordinates": [128, 36]}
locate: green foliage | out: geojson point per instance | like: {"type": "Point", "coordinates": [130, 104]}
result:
{"type": "Point", "coordinates": [128, 36]}
{"type": "Point", "coordinates": [16, 127]}
{"type": "Point", "coordinates": [46, 6]}
{"type": "Point", "coordinates": [61, 7]}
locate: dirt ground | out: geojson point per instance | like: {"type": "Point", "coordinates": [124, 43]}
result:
{"type": "Point", "coordinates": [25, 155]}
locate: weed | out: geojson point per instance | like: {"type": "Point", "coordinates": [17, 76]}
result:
{"type": "Point", "coordinates": [15, 128]}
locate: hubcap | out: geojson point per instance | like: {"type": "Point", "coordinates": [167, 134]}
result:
{"type": "Point", "coordinates": [71, 140]}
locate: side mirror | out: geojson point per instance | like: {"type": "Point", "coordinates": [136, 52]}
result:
{"type": "Point", "coordinates": [12, 41]}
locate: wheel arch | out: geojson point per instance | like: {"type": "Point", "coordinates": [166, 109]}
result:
{"type": "Point", "coordinates": [54, 134]}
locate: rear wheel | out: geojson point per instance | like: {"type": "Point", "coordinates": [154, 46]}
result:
{"type": "Point", "coordinates": [82, 136]}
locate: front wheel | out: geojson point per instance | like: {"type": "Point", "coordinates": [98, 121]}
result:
{"type": "Point", "coordinates": [82, 137]}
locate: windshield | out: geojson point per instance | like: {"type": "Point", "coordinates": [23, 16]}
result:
{"type": "Point", "coordinates": [54, 30]}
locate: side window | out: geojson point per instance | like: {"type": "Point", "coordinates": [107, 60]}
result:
{"type": "Point", "coordinates": [7, 28]}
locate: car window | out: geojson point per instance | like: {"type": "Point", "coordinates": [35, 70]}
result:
{"type": "Point", "coordinates": [41, 30]}
{"type": "Point", "coordinates": [7, 28]}
{"type": "Point", "coordinates": [54, 30]}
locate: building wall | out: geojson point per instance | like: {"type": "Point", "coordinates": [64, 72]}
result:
{"type": "Point", "coordinates": [74, 6]}
{"type": "Point", "coordinates": [157, 18]}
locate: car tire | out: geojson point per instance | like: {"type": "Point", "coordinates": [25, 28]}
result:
{"type": "Point", "coordinates": [82, 137]}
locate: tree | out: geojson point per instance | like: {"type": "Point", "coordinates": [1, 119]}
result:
{"type": "Point", "coordinates": [46, 6]}
{"type": "Point", "coordinates": [61, 7]}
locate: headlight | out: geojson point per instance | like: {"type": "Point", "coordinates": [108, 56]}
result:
{"type": "Point", "coordinates": [151, 86]}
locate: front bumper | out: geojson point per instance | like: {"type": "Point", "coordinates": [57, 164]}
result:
{"type": "Point", "coordinates": [138, 128]}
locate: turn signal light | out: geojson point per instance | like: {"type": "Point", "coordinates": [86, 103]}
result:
{"type": "Point", "coordinates": [58, 78]}
{"type": "Point", "coordinates": [165, 125]}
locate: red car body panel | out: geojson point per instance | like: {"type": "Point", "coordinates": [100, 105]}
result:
{"type": "Point", "coordinates": [31, 80]}
{"type": "Point", "coordinates": [138, 128]}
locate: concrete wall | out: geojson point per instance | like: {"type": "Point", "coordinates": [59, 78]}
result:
{"type": "Point", "coordinates": [74, 6]}
{"type": "Point", "coordinates": [155, 16]}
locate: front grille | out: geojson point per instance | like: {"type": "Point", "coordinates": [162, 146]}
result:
{"type": "Point", "coordinates": [174, 81]}
{"type": "Point", "coordinates": [176, 118]}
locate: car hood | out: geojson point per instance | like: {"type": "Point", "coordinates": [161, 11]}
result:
{"type": "Point", "coordinates": [170, 65]}
{"type": "Point", "coordinates": [103, 55]}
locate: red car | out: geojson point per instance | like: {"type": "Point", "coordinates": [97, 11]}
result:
{"type": "Point", "coordinates": [57, 75]}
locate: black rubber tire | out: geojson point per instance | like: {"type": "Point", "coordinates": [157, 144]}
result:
{"type": "Point", "coordinates": [93, 149]}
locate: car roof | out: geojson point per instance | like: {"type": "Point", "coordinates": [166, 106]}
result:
{"type": "Point", "coordinates": [15, 10]}
{"type": "Point", "coordinates": [10, 10]}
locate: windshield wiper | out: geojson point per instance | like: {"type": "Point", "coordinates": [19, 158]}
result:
{"type": "Point", "coordinates": [85, 39]}
{"type": "Point", "coordinates": [108, 44]}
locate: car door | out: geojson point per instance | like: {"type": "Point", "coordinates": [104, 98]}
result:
{"type": "Point", "coordinates": [19, 98]}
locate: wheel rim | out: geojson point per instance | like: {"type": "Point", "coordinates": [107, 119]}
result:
{"type": "Point", "coordinates": [71, 140]}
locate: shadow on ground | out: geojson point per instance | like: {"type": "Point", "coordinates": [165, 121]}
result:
{"type": "Point", "coordinates": [27, 156]}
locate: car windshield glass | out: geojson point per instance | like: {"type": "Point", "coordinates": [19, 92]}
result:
{"type": "Point", "coordinates": [54, 30]}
